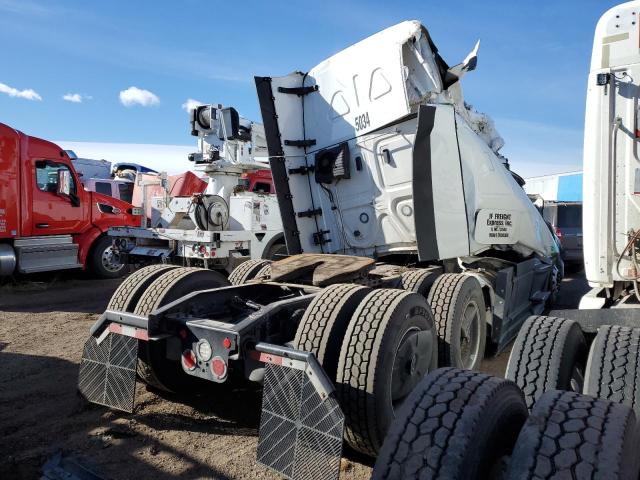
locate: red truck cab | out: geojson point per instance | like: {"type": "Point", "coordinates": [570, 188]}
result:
{"type": "Point", "coordinates": [259, 181]}
{"type": "Point", "coordinates": [48, 221]}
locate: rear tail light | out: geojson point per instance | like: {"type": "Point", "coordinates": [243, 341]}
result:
{"type": "Point", "coordinates": [189, 360]}
{"type": "Point", "coordinates": [219, 368]}
{"type": "Point", "coordinates": [558, 232]}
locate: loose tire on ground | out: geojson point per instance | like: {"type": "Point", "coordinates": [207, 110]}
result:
{"type": "Point", "coordinates": [455, 425]}
{"type": "Point", "coordinates": [420, 280]}
{"type": "Point", "coordinates": [613, 367]}
{"type": "Point", "coordinates": [102, 260]}
{"type": "Point", "coordinates": [154, 368]}
{"type": "Point", "coordinates": [569, 435]}
{"type": "Point", "coordinates": [247, 270]}
{"type": "Point", "coordinates": [389, 345]}
{"type": "Point", "coordinates": [549, 353]}
{"type": "Point", "coordinates": [325, 321]}
{"type": "Point", "coordinates": [459, 310]}
{"type": "Point", "coordinates": [126, 296]}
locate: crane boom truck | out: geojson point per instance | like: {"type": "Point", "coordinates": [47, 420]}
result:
{"type": "Point", "coordinates": [48, 221]}
{"type": "Point", "coordinates": [222, 226]}
{"type": "Point", "coordinates": [411, 245]}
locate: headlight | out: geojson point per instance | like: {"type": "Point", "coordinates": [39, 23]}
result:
{"type": "Point", "coordinates": [204, 350]}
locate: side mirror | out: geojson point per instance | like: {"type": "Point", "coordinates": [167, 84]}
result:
{"type": "Point", "coordinates": [64, 182]}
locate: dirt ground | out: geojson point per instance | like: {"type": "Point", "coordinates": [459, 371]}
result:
{"type": "Point", "coordinates": [43, 325]}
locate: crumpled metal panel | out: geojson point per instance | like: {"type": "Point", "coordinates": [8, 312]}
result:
{"type": "Point", "coordinates": [108, 371]}
{"type": "Point", "coordinates": [300, 434]}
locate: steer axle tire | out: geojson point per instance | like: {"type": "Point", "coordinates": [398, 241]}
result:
{"type": "Point", "coordinates": [154, 368]}
{"type": "Point", "coordinates": [389, 345]}
{"type": "Point", "coordinates": [549, 353]}
{"type": "Point", "coordinates": [569, 435]}
{"type": "Point", "coordinates": [248, 270]}
{"type": "Point", "coordinates": [325, 321]}
{"type": "Point", "coordinates": [103, 260]}
{"type": "Point", "coordinates": [455, 425]}
{"type": "Point", "coordinates": [613, 367]}
{"type": "Point", "coordinates": [459, 310]}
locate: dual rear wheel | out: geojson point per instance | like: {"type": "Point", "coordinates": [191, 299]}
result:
{"type": "Point", "coordinates": [376, 346]}
{"type": "Point", "coordinates": [150, 288]}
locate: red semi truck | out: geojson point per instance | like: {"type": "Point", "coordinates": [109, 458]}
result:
{"type": "Point", "coordinates": [48, 221]}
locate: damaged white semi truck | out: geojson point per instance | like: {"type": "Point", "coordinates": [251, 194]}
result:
{"type": "Point", "coordinates": [411, 245]}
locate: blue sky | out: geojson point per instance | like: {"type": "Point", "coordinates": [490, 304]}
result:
{"type": "Point", "coordinates": [531, 75]}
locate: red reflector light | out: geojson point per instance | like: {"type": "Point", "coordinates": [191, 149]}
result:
{"type": "Point", "coordinates": [218, 367]}
{"type": "Point", "coordinates": [226, 343]}
{"type": "Point", "coordinates": [189, 360]}
{"type": "Point", "coordinates": [558, 232]}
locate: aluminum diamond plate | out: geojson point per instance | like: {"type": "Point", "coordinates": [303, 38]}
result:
{"type": "Point", "coordinates": [108, 371]}
{"type": "Point", "coordinates": [300, 434]}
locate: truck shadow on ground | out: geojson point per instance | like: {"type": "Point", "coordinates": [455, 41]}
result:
{"type": "Point", "coordinates": [41, 414]}
{"type": "Point", "coordinates": [63, 291]}
{"type": "Point", "coordinates": [235, 409]}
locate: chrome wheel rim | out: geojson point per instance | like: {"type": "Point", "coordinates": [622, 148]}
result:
{"type": "Point", "coordinates": [110, 260]}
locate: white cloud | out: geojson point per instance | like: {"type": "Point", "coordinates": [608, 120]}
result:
{"type": "Point", "coordinates": [191, 104]}
{"type": "Point", "coordinates": [76, 97]}
{"type": "Point", "coordinates": [138, 96]}
{"type": "Point", "coordinates": [27, 94]}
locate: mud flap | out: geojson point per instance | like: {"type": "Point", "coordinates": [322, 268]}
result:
{"type": "Point", "coordinates": [302, 425]}
{"type": "Point", "coordinates": [108, 371]}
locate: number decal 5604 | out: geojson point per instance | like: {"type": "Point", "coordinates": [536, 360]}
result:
{"type": "Point", "coordinates": [362, 121]}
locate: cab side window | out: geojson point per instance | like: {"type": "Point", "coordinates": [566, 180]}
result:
{"type": "Point", "coordinates": [103, 188]}
{"type": "Point", "coordinates": [47, 176]}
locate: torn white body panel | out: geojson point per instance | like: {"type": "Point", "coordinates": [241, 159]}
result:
{"type": "Point", "coordinates": [381, 155]}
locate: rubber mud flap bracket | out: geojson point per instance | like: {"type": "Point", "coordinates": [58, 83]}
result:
{"type": "Point", "coordinates": [108, 371]}
{"type": "Point", "coordinates": [302, 425]}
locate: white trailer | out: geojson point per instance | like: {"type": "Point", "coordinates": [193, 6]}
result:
{"type": "Point", "coordinates": [222, 226]}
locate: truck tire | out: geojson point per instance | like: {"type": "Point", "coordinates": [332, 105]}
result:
{"type": "Point", "coordinates": [154, 368]}
{"type": "Point", "coordinates": [264, 272]}
{"type": "Point", "coordinates": [247, 270]}
{"type": "Point", "coordinates": [324, 323]}
{"type": "Point", "coordinates": [613, 367]}
{"type": "Point", "coordinates": [389, 345]}
{"type": "Point", "coordinates": [549, 353]}
{"type": "Point", "coordinates": [569, 435]}
{"type": "Point", "coordinates": [456, 424]}
{"type": "Point", "coordinates": [102, 260]}
{"type": "Point", "coordinates": [459, 310]}
{"type": "Point", "coordinates": [420, 280]}
{"type": "Point", "coordinates": [126, 296]}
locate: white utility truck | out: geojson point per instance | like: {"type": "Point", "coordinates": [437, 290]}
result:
{"type": "Point", "coordinates": [222, 226]}
{"type": "Point", "coordinates": [411, 245]}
